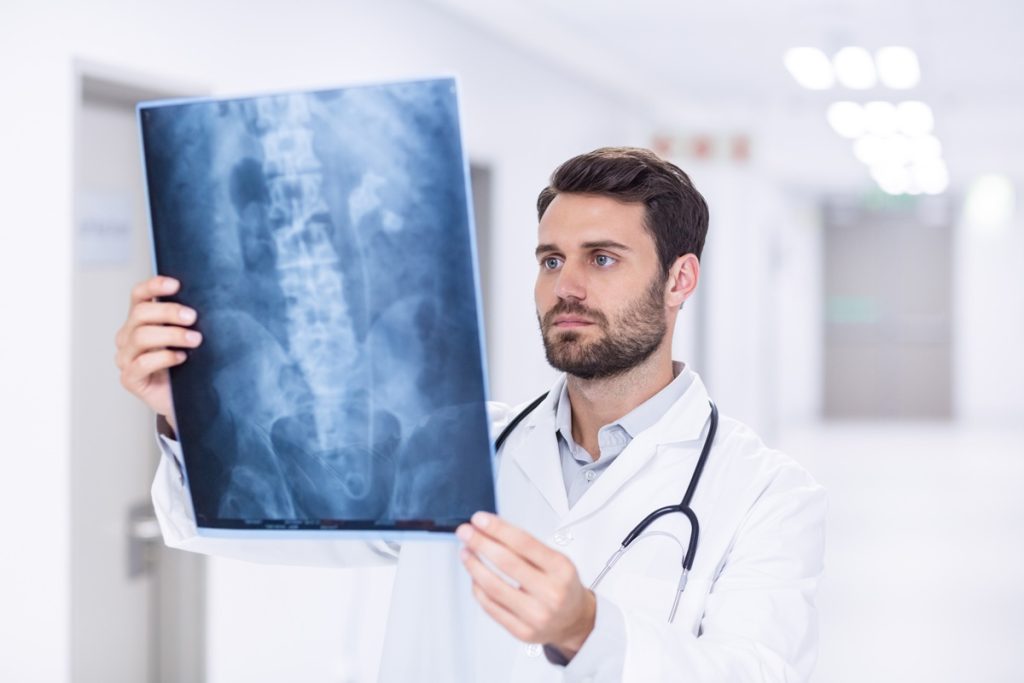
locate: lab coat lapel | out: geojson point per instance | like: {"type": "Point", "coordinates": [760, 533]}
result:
{"type": "Point", "coordinates": [683, 422]}
{"type": "Point", "coordinates": [537, 453]}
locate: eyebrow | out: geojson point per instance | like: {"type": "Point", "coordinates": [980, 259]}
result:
{"type": "Point", "coordinates": [599, 244]}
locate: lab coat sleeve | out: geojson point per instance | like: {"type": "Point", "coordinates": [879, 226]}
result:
{"type": "Point", "coordinates": [173, 507]}
{"type": "Point", "coordinates": [602, 653]}
{"type": "Point", "coordinates": [759, 621]}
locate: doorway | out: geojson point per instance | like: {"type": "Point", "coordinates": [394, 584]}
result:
{"type": "Point", "coordinates": [888, 274]}
{"type": "Point", "coordinates": [136, 608]}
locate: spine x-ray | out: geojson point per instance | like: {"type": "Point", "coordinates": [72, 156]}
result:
{"type": "Point", "coordinates": [325, 239]}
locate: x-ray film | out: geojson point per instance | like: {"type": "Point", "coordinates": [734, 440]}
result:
{"type": "Point", "coordinates": [325, 239]}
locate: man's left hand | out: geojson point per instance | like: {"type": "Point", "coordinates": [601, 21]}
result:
{"type": "Point", "coordinates": [545, 603]}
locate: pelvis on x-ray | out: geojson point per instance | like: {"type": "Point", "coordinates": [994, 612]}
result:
{"type": "Point", "coordinates": [324, 239]}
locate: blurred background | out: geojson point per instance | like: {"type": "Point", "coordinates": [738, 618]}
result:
{"type": "Point", "coordinates": [861, 305]}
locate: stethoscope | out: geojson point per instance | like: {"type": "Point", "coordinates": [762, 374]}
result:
{"type": "Point", "coordinates": [683, 507]}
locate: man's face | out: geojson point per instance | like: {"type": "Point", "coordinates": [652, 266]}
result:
{"type": "Point", "coordinates": [600, 293]}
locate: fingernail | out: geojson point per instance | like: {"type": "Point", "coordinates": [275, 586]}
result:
{"type": "Point", "coordinates": [180, 355]}
{"type": "Point", "coordinates": [169, 284]}
{"type": "Point", "coordinates": [187, 315]}
{"type": "Point", "coordinates": [481, 519]}
{"type": "Point", "coordinates": [464, 532]}
{"type": "Point", "coordinates": [193, 337]}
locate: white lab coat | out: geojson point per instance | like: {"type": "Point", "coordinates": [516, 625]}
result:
{"type": "Point", "coordinates": [747, 613]}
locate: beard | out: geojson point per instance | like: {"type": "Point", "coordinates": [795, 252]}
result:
{"type": "Point", "coordinates": [629, 340]}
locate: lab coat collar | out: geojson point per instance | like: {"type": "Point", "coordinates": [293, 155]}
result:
{"type": "Point", "coordinates": [537, 455]}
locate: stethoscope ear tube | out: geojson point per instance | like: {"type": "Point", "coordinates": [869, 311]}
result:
{"type": "Point", "coordinates": [684, 505]}
{"type": "Point", "coordinates": [691, 549]}
{"type": "Point", "coordinates": [683, 508]}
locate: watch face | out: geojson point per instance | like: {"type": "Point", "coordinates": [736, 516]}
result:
{"type": "Point", "coordinates": [326, 241]}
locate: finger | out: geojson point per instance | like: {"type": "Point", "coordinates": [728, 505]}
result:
{"type": "Point", "coordinates": [506, 619]}
{"type": "Point", "coordinates": [512, 536]}
{"type": "Point", "coordinates": [160, 312]}
{"type": "Point", "coordinates": [137, 373]}
{"type": "Point", "coordinates": [160, 285]}
{"type": "Point", "coordinates": [152, 337]}
{"type": "Point", "coordinates": [516, 602]}
{"type": "Point", "coordinates": [503, 557]}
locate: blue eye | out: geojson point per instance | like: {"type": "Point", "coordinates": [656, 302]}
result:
{"type": "Point", "coordinates": [603, 260]}
{"type": "Point", "coordinates": [550, 263]}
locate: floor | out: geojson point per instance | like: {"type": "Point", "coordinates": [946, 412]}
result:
{"type": "Point", "coordinates": [925, 556]}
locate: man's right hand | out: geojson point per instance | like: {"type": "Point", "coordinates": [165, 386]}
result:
{"type": "Point", "coordinates": [150, 341]}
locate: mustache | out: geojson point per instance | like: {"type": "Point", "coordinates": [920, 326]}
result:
{"type": "Point", "coordinates": [568, 307]}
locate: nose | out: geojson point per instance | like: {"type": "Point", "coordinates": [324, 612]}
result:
{"type": "Point", "coordinates": [570, 282]}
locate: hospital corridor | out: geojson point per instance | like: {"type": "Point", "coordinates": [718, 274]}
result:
{"type": "Point", "coordinates": [858, 305]}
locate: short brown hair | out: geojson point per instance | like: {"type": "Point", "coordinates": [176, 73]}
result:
{"type": "Point", "coordinates": [676, 214]}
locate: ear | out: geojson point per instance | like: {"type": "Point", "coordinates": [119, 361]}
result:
{"type": "Point", "coordinates": [682, 280]}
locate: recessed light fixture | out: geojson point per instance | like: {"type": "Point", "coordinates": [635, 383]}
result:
{"type": "Point", "coordinates": [847, 119]}
{"type": "Point", "coordinates": [854, 68]}
{"type": "Point", "coordinates": [914, 118]}
{"type": "Point", "coordinates": [810, 67]}
{"type": "Point", "coordinates": [932, 176]}
{"type": "Point", "coordinates": [892, 179]}
{"type": "Point", "coordinates": [869, 149]}
{"type": "Point", "coordinates": [898, 67]}
{"type": "Point", "coordinates": [924, 148]}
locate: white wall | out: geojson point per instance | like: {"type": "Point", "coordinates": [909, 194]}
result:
{"type": "Point", "coordinates": [521, 116]}
{"type": "Point", "coordinates": [988, 336]}
{"type": "Point", "coordinates": [988, 272]}
{"type": "Point", "coordinates": [35, 293]}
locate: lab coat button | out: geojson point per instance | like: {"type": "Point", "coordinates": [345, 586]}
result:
{"type": "Point", "coordinates": [562, 538]}
{"type": "Point", "coordinates": [533, 650]}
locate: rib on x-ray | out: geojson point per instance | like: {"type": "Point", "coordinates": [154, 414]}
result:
{"type": "Point", "coordinates": [325, 240]}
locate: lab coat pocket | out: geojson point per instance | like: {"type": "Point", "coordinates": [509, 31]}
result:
{"type": "Point", "coordinates": [653, 597]}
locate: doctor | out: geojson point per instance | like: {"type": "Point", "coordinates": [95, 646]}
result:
{"type": "Point", "coordinates": [617, 436]}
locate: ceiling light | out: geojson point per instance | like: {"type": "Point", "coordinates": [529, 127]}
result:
{"type": "Point", "coordinates": [881, 117]}
{"type": "Point", "coordinates": [897, 150]}
{"type": "Point", "coordinates": [914, 118]}
{"type": "Point", "coordinates": [925, 148]}
{"type": "Point", "coordinates": [931, 176]}
{"type": "Point", "coordinates": [847, 119]}
{"type": "Point", "coordinates": [869, 149]}
{"type": "Point", "coordinates": [855, 68]}
{"type": "Point", "coordinates": [892, 179]}
{"type": "Point", "coordinates": [898, 67]}
{"type": "Point", "coordinates": [810, 67]}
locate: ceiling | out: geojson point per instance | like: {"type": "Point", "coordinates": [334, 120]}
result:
{"type": "Point", "coordinates": [673, 55]}
{"type": "Point", "coordinates": [720, 66]}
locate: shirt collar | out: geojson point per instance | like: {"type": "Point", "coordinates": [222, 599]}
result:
{"type": "Point", "coordinates": [640, 418]}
